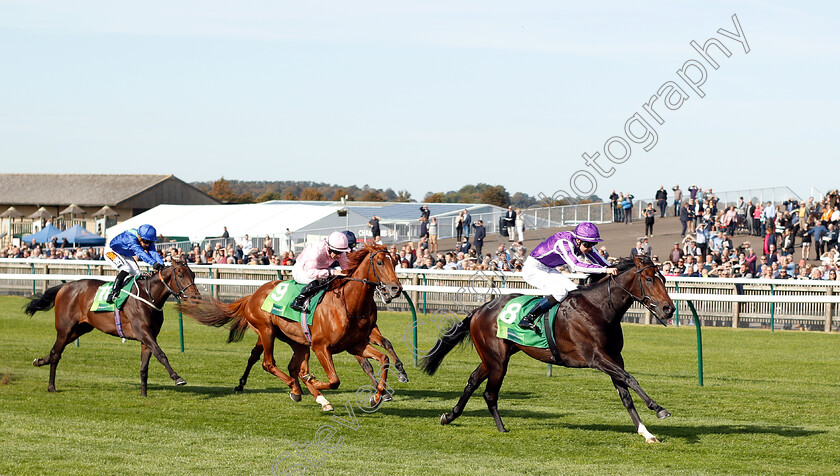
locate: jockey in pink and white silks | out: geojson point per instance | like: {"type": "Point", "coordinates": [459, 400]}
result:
{"type": "Point", "coordinates": [314, 266]}
{"type": "Point", "coordinates": [572, 248]}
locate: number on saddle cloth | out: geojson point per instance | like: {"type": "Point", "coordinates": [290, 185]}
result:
{"type": "Point", "coordinates": [100, 305]}
{"type": "Point", "coordinates": [507, 322]}
{"type": "Point", "coordinates": [279, 300]}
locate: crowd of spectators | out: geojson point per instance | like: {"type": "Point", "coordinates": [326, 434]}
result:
{"type": "Point", "coordinates": [708, 251]}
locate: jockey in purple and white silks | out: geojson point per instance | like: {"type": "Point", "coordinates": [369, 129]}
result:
{"type": "Point", "coordinates": [572, 248]}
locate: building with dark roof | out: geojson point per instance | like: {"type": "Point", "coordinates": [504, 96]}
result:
{"type": "Point", "coordinates": [70, 199]}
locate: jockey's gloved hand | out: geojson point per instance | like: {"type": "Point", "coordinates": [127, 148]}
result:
{"type": "Point", "coordinates": [158, 266]}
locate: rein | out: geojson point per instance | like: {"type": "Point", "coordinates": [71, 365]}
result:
{"type": "Point", "coordinates": [644, 300]}
{"type": "Point", "coordinates": [380, 286]}
{"type": "Point", "coordinates": [180, 294]}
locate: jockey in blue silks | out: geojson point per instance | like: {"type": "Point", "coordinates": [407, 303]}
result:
{"type": "Point", "coordinates": [122, 249]}
{"type": "Point", "coordinates": [573, 248]}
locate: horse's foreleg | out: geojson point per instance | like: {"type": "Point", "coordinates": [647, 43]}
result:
{"type": "Point", "coordinates": [614, 367]}
{"type": "Point", "coordinates": [322, 352]}
{"type": "Point", "coordinates": [383, 391]}
{"type": "Point", "coordinates": [145, 355]}
{"type": "Point", "coordinates": [145, 336]}
{"type": "Point", "coordinates": [377, 338]}
{"type": "Point", "coordinates": [366, 368]}
{"type": "Point", "coordinates": [478, 376]}
{"type": "Point", "coordinates": [627, 400]}
{"type": "Point", "coordinates": [256, 353]}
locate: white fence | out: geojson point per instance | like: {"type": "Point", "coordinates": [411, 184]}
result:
{"type": "Point", "coordinates": [758, 303]}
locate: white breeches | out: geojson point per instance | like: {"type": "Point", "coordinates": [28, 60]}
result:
{"type": "Point", "coordinates": [122, 263]}
{"type": "Point", "coordinates": [547, 279]}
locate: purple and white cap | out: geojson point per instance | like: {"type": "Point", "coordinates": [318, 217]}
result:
{"type": "Point", "coordinates": [587, 231]}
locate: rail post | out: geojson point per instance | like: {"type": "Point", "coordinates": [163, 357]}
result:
{"type": "Point", "coordinates": [699, 343]}
{"type": "Point", "coordinates": [829, 309]}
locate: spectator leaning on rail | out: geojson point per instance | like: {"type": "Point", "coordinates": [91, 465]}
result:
{"type": "Point", "coordinates": [572, 248]}
{"type": "Point", "coordinates": [122, 249]}
{"type": "Point", "coordinates": [313, 266]}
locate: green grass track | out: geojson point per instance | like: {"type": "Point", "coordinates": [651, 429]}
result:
{"type": "Point", "coordinates": [770, 404]}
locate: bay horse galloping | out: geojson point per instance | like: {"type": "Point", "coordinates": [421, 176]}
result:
{"type": "Point", "coordinates": [587, 332]}
{"type": "Point", "coordinates": [342, 322]}
{"type": "Point", "coordinates": [141, 317]}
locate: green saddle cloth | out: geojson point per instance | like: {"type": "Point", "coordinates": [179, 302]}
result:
{"type": "Point", "coordinates": [507, 322]}
{"type": "Point", "coordinates": [99, 303]}
{"type": "Point", "coordinates": [279, 300]}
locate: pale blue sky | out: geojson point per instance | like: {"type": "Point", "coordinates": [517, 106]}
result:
{"type": "Point", "coordinates": [422, 96]}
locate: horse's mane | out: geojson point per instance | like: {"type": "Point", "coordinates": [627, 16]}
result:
{"type": "Point", "coordinates": [622, 265]}
{"type": "Point", "coordinates": [357, 258]}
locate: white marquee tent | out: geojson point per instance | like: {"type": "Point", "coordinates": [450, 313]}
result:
{"type": "Point", "coordinates": [203, 221]}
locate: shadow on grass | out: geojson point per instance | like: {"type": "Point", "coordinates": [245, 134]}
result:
{"type": "Point", "coordinates": [454, 395]}
{"type": "Point", "coordinates": [211, 392]}
{"type": "Point", "coordinates": [692, 434]}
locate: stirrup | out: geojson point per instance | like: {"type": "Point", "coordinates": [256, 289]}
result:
{"type": "Point", "coordinates": [529, 324]}
{"type": "Point", "coordinates": [112, 296]}
{"type": "Point", "coordinates": [299, 306]}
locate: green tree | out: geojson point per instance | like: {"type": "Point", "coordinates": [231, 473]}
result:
{"type": "Point", "coordinates": [372, 196]}
{"type": "Point", "coordinates": [269, 196]}
{"type": "Point", "coordinates": [434, 198]}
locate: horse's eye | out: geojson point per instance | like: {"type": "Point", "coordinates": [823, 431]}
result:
{"type": "Point", "coordinates": [650, 280]}
{"type": "Point", "coordinates": [380, 262]}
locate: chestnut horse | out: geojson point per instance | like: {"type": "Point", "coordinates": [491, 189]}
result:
{"type": "Point", "coordinates": [587, 331]}
{"type": "Point", "coordinates": [141, 316]}
{"type": "Point", "coordinates": [343, 321]}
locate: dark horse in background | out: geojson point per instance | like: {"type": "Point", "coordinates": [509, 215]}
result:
{"type": "Point", "coordinates": [587, 332]}
{"type": "Point", "coordinates": [141, 319]}
{"type": "Point", "coordinates": [344, 321]}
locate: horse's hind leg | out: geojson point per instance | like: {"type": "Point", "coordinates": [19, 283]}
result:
{"type": "Point", "coordinates": [256, 352]}
{"type": "Point", "coordinates": [491, 392]}
{"type": "Point", "coordinates": [63, 337]}
{"type": "Point", "coordinates": [267, 339]}
{"type": "Point", "coordinates": [478, 376]}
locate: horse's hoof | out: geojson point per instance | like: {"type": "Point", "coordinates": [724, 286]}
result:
{"type": "Point", "coordinates": [663, 414]}
{"type": "Point", "coordinates": [444, 420]}
{"type": "Point", "coordinates": [387, 397]}
{"type": "Point", "coordinates": [373, 403]}
{"type": "Point", "coordinates": [239, 388]}
{"type": "Point", "coordinates": [327, 408]}
{"type": "Point", "coordinates": [651, 440]}
{"type": "Point", "coordinates": [180, 382]}
{"type": "Point", "coordinates": [295, 397]}
{"type": "Point", "coordinates": [403, 378]}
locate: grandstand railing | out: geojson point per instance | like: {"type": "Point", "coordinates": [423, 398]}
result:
{"type": "Point", "coordinates": [735, 302]}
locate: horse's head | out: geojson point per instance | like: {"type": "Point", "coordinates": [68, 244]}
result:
{"type": "Point", "coordinates": [649, 288]}
{"type": "Point", "coordinates": [375, 265]}
{"type": "Point", "coordinates": [179, 279]}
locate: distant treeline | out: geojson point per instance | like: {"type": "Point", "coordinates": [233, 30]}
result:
{"type": "Point", "coordinates": [236, 191]}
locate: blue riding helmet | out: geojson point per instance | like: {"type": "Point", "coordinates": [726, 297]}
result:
{"type": "Point", "coordinates": [147, 233]}
{"type": "Point", "coordinates": [351, 239]}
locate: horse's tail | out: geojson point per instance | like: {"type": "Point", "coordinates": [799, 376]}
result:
{"type": "Point", "coordinates": [42, 302]}
{"type": "Point", "coordinates": [453, 336]}
{"type": "Point", "coordinates": [212, 312]}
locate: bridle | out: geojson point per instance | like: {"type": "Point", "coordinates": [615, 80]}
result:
{"type": "Point", "coordinates": [380, 286]}
{"type": "Point", "coordinates": [645, 300]}
{"type": "Point", "coordinates": [180, 293]}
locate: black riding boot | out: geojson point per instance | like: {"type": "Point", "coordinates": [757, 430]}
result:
{"type": "Point", "coordinates": [308, 291]}
{"type": "Point", "coordinates": [541, 308]}
{"type": "Point", "coordinates": [118, 284]}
